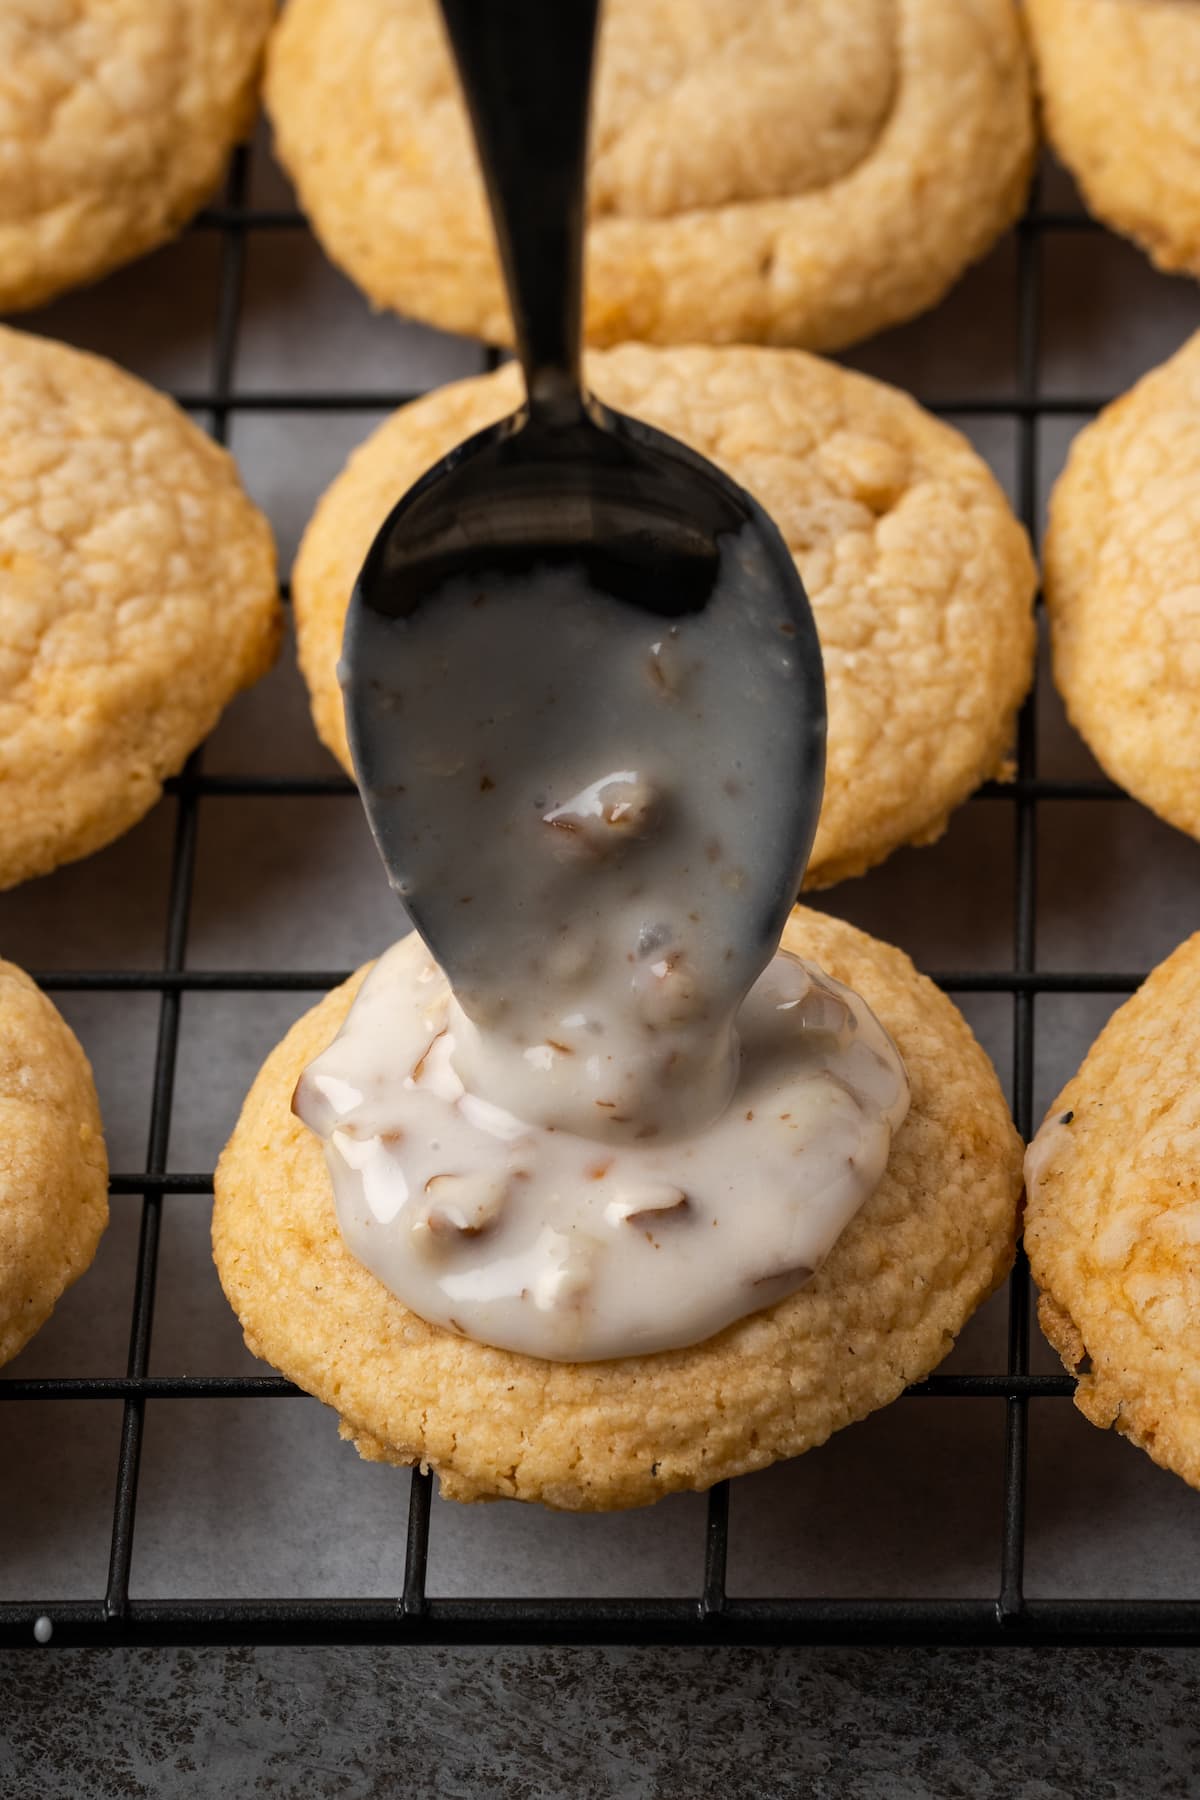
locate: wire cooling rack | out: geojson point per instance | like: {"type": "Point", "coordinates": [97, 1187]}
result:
{"type": "Point", "coordinates": [709, 1614]}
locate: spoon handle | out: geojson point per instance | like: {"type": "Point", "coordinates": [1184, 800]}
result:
{"type": "Point", "coordinates": [526, 72]}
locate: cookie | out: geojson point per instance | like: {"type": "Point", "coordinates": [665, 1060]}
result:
{"type": "Point", "coordinates": [116, 121]}
{"type": "Point", "coordinates": [1121, 590]}
{"type": "Point", "coordinates": [797, 173]}
{"type": "Point", "coordinates": [920, 578]}
{"type": "Point", "coordinates": [137, 596]}
{"type": "Point", "coordinates": [1118, 80]}
{"type": "Point", "coordinates": [935, 1239]}
{"type": "Point", "coordinates": [1113, 1218]}
{"type": "Point", "coordinates": [53, 1168]}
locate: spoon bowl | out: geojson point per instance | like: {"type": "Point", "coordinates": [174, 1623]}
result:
{"type": "Point", "coordinates": [641, 512]}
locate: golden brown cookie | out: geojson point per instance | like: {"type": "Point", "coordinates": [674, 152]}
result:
{"type": "Point", "coordinates": [116, 120]}
{"type": "Point", "coordinates": [934, 1239]}
{"type": "Point", "coordinates": [137, 596]}
{"type": "Point", "coordinates": [920, 578]}
{"type": "Point", "coordinates": [1120, 86]}
{"type": "Point", "coordinates": [803, 172]}
{"type": "Point", "coordinates": [1122, 589]}
{"type": "Point", "coordinates": [1113, 1219]}
{"type": "Point", "coordinates": [53, 1169]}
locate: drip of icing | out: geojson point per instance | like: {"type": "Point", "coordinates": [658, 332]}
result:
{"type": "Point", "coordinates": [598, 813]}
{"type": "Point", "coordinates": [1049, 1141]}
{"type": "Point", "coordinates": [541, 1240]}
{"type": "Point", "coordinates": [631, 1122]}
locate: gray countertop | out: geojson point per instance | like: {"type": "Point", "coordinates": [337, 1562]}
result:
{"type": "Point", "coordinates": [568, 1724]}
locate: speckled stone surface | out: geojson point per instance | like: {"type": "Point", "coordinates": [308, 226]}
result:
{"type": "Point", "coordinates": [535, 1724]}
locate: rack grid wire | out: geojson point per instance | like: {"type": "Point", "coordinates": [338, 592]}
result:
{"type": "Point", "coordinates": [710, 1616]}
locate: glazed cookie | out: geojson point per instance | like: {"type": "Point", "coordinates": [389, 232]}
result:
{"type": "Point", "coordinates": [796, 173]}
{"type": "Point", "coordinates": [1120, 571]}
{"type": "Point", "coordinates": [116, 120]}
{"type": "Point", "coordinates": [1119, 90]}
{"type": "Point", "coordinates": [1114, 1216]}
{"type": "Point", "coordinates": [933, 1240]}
{"type": "Point", "coordinates": [920, 577]}
{"type": "Point", "coordinates": [53, 1170]}
{"type": "Point", "coordinates": [137, 596]}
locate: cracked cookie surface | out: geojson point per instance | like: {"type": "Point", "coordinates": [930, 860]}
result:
{"type": "Point", "coordinates": [803, 172]}
{"type": "Point", "coordinates": [116, 120]}
{"type": "Point", "coordinates": [931, 1243]}
{"type": "Point", "coordinates": [137, 596]}
{"type": "Point", "coordinates": [1119, 85]}
{"type": "Point", "coordinates": [1121, 588]}
{"type": "Point", "coordinates": [53, 1168]}
{"type": "Point", "coordinates": [920, 578]}
{"type": "Point", "coordinates": [1113, 1220]}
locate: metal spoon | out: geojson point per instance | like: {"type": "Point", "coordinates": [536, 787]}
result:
{"type": "Point", "coordinates": [566, 483]}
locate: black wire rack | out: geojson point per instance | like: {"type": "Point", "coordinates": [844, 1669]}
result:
{"type": "Point", "coordinates": [710, 1615]}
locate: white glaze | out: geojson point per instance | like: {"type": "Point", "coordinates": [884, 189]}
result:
{"type": "Point", "coordinates": [622, 1130]}
{"type": "Point", "coordinates": [594, 810]}
{"type": "Point", "coordinates": [1048, 1142]}
{"type": "Point", "coordinates": [543, 1241]}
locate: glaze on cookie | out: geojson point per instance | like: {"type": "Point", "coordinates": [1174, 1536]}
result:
{"type": "Point", "coordinates": [933, 1240]}
{"type": "Point", "coordinates": [603, 1235]}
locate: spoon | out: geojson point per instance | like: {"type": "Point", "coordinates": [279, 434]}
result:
{"type": "Point", "coordinates": [531, 617]}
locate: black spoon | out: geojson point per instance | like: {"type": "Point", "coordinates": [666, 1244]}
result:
{"type": "Point", "coordinates": [563, 481]}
